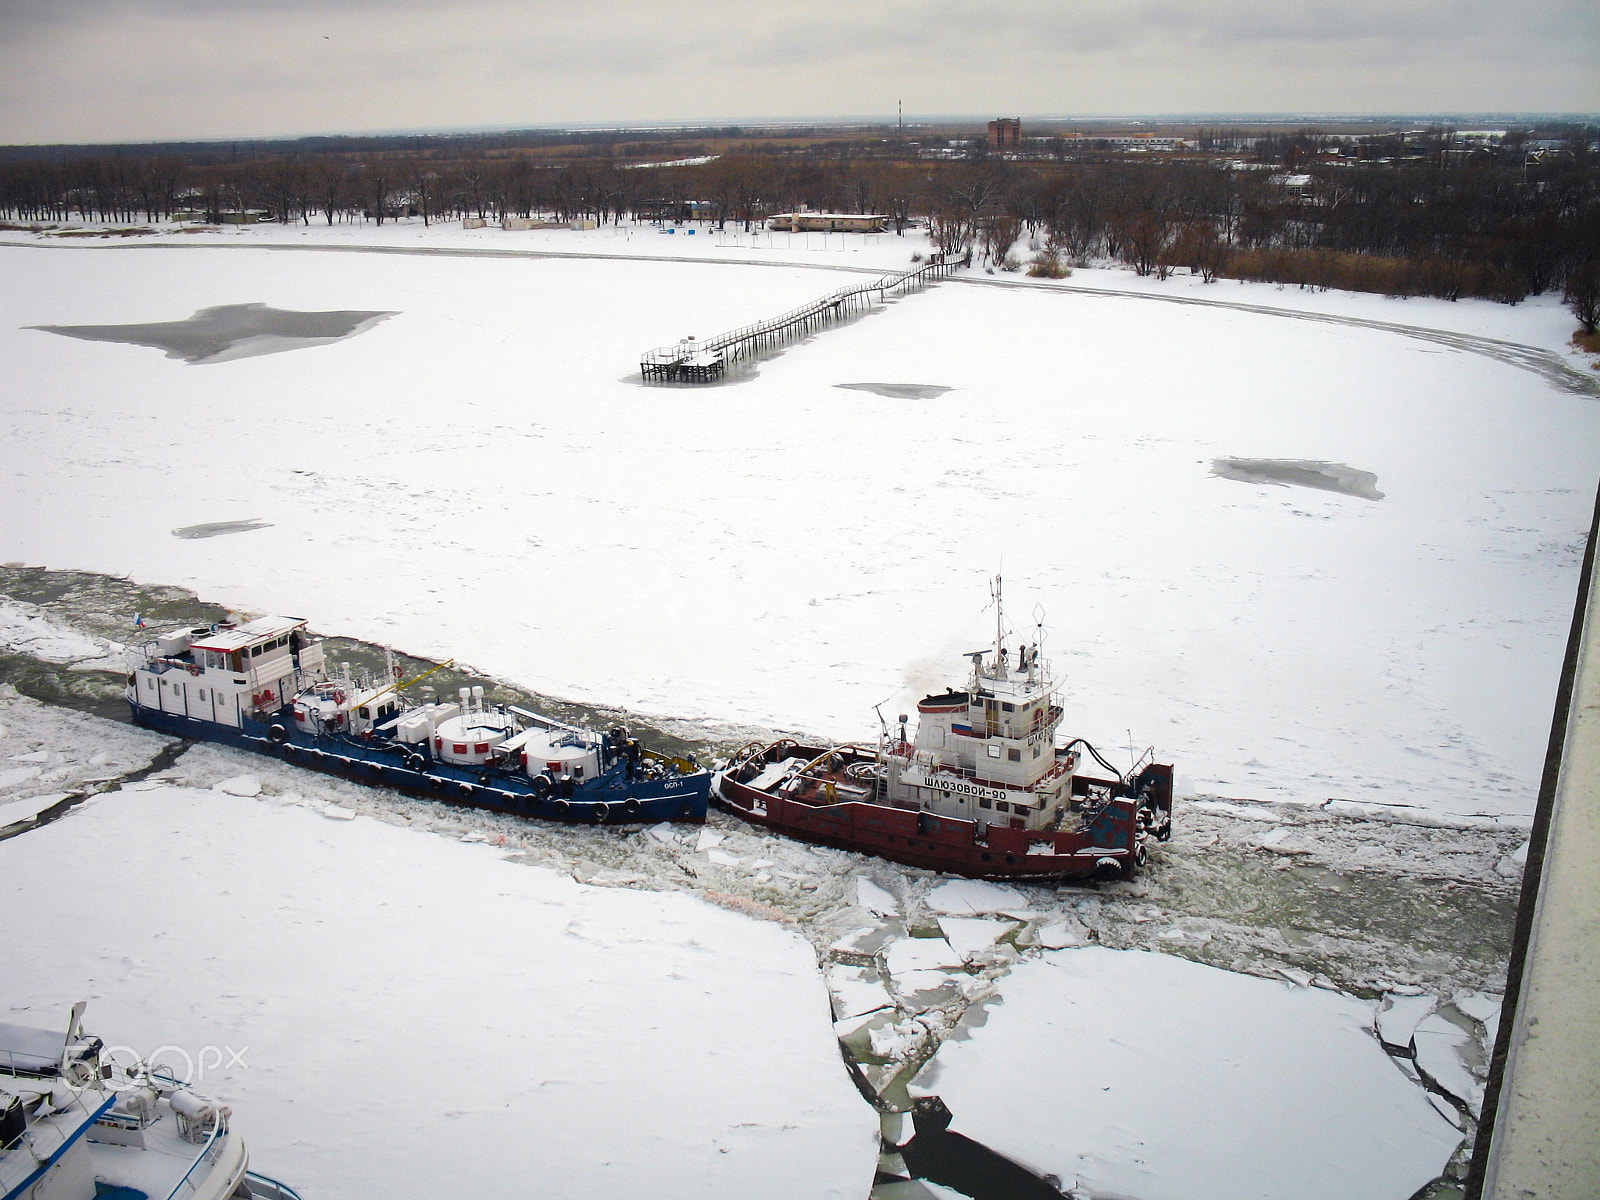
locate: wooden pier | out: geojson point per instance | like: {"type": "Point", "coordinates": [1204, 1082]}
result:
{"type": "Point", "coordinates": [706, 360]}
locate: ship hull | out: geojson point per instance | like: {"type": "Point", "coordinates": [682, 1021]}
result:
{"type": "Point", "coordinates": [608, 799]}
{"type": "Point", "coordinates": [1110, 847]}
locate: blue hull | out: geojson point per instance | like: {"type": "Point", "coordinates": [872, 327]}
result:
{"type": "Point", "coordinates": [610, 798]}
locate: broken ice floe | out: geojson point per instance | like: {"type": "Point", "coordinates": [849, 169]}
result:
{"type": "Point", "coordinates": [973, 897]}
{"type": "Point", "coordinates": [665, 832]}
{"type": "Point", "coordinates": [1281, 840]}
{"type": "Point", "coordinates": [15, 811]}
{"type": "Point", "coordinates": [856, 990]}
{"type": "Point", "coordinates": [1058, 935]}
{"type": "Point", "coordinates": [974, 937]}
{"type": "Point", "coordinates": [1485, 1010]}
{"type": "Point", "coordinates": [1442, 1049]}
{"type": "Point", "coordinates": [707, 839]}
{"type": "Point", "coordinates": [26, 630]}
{"type": "Point", "coordinates": [1187, 1080]}
{"type": "Point", "coordinates": [874, 899]}
{"type": "Point", "coordinates": [1399, 1017]}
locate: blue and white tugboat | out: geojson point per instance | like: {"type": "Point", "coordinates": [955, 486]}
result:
{"type": "Point", "coordinates": [265, 686]}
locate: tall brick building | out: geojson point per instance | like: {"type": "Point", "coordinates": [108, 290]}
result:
{"type": "Point", "coordinates": [1005, 133]}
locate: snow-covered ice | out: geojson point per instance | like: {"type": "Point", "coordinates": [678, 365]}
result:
{"type": "Point", "coordinates": [1441, 1048]}
{"type": "Point", "coordinates": [488, 455]}
{"type": "Point", "coordinates": [416, 1016]}
{"type": "Point", "coordinates": [12, 811]}
{"type": "Point", "coordinates": [875, 899]}
{"type": "Point", "coordinates": [481, 476]}
{"type": "Point", "coordinates": [972, 897]}
{"type": "Point", "coordinates": [973, 937]}
{"type": "Point", "coordinates": [1399, 1016]}
{"type": "Point", "coordinates": [1138, 1074]}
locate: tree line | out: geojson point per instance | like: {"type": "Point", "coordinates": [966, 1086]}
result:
{"type": "Point", "coordinates": [1501, 226]}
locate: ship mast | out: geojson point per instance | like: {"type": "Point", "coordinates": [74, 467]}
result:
{"type": "Point", "coordinates": [999, 630]}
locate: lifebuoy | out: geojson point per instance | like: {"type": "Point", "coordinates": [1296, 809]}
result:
{"type": "Point", "coordinates": [602, 811]}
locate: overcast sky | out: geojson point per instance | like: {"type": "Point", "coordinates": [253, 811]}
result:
{"type": "Point", "coordinates": [143, 70]}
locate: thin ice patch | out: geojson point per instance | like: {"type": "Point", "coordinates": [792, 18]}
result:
{"type": "Point", "coordinates": [218, 528]}
{"type": "Point", "coordinates": [1299, 472]}
{"type": "Point", "coordinates": [899, 391]}
{"type": "Point", "coordinates": [231, 331]}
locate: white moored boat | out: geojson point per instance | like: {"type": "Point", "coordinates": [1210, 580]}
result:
{"type": "Point", "coordinates": [78, 1123]}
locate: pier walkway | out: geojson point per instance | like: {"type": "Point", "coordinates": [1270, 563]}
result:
{"type": "Point", "coordinates": [706, 360]}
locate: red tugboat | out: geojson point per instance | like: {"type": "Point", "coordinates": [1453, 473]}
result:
{"type": "Point", "coordinates": [983, 790]}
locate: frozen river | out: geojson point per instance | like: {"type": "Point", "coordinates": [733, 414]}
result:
{"type": "Point", "coordinates": [1347, 638]}
{"type": "Point", "coordinates": [479, 475]}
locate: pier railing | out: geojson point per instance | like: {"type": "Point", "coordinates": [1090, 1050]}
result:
{"type": "Point", "coordinates": [702, 360]}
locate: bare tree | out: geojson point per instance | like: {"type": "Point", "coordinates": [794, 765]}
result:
{"type": "Point", "coordinates": [1582, 294]}
{"type": "Point", "coordinates": [330, 186]}
{"type": "Point", "coordinates": [998, 233]}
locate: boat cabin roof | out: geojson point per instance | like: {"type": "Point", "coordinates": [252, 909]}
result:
{"type": "Point", "coordinates": [237, 638]}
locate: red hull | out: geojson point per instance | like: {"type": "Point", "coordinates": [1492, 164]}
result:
{"type": "Point", "coordinates": [1111, 848]}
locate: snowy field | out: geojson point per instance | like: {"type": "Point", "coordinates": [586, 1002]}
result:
{"type": "Point", "coordinates": [482, 476]}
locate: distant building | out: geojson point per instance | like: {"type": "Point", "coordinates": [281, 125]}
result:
{"type": "Point", "coordinates": [1130, 143]}
{"type": "Point", "coordinates": [815, 222]}
{"type": "Point", "coordinates": [662, 209]}
{"type": "Point", "coordinates": [1005, 133]}
{"type": "Point", "coordinates": [1301, 187]}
